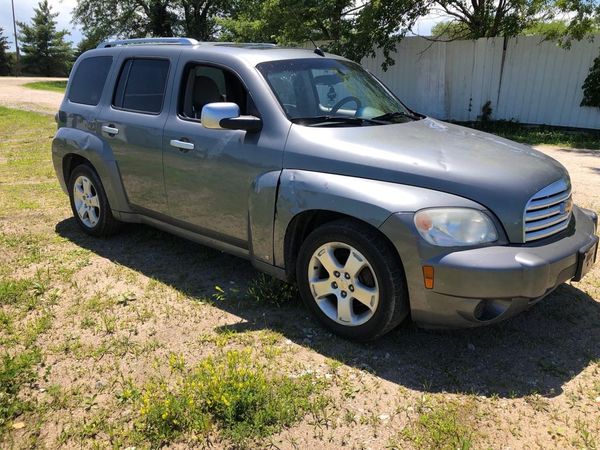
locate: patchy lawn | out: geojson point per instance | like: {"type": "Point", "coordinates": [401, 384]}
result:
{"type": "Point", "coordinates": [536, 135]}
{"type": "Point", "coordinates": [54, 86]}
{"type": "Point", "coordinates": [148, 340]}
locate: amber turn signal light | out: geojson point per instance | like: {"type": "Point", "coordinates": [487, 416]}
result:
{"type": "Point", "coordinates": [428, 276]}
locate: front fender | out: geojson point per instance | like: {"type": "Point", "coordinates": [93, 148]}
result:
{"type": "Point", "coordinates": [371, 201]}
{"type": "Point", "coordinates": [87, 145]}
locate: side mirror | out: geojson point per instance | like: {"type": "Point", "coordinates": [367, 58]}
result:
{"type": "Point", "coordinates": [226, 116]}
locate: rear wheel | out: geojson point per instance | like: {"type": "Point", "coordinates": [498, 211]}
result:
{"type": "Point", "coordinates": [89, 202]}
{"type": "Point", "coordinates": [350, 277]}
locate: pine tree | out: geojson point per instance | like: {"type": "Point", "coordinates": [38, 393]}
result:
{"type": "Point", "coordinates": [4, 61]}
{"type": "Point", "coordinates": [591, 86]}
{"type": "Point", "coordinates": [45, 51]}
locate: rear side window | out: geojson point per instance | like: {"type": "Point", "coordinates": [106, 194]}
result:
{"type": "Point", "coordinates": [88, 81]}
{"type": "Point", "coordinates": [141, 85]}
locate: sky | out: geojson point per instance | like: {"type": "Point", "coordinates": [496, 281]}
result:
{"type": "Point", "coordinates": [24, 12]}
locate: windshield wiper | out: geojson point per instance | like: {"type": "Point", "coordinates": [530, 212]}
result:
{"type": "Point", "coordinates": [319, 120]}
{"type": "Point", "coordinates": [393, 115]}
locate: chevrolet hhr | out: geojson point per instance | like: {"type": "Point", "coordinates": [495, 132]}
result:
{"type": "Point", "coordinates": [307, 165]}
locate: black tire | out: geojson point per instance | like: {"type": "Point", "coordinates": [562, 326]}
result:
{"type": "Point", "coordinates": [106, 224]}
{"type": "Point", "coordinates": [393, 305]}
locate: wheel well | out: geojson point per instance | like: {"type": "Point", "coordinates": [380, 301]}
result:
{"type": "Point", "coordinates": [302, 225]}
{"type": "Point", "coordinates": [70, 161]}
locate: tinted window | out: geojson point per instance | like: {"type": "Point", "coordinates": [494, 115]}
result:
{"type": "Point", "coordinates": [89, 78]}
{"type": "Point", "coordinates": [141, 85]}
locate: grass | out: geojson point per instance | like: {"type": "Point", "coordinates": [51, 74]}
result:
{"type": "Point", "coordinates": [15, 372]}
{"type": "Point", "coordinates": [14, 292]}
{"type": "Point", "coordinates": [28, 180]}
{"type": "Point", "coordinates": [441, 425]}
{"type": "Point", "coordinates": [54, 86]}
{"type": "Point", "coordinates": [23, 320]}
{"type": "Point", "coordinates": [536, 135]}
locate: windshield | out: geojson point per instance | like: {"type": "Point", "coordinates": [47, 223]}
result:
{"type": "Point", "coordinates": [319, 91]}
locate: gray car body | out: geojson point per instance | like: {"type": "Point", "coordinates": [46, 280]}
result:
{"type": "Point", "coordinates": [245, 193]}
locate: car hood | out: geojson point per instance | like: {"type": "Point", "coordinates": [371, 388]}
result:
{"type": "Point", "coordinates": [497, 173]}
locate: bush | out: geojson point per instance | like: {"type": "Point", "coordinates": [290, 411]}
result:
{"type": "Point", "coordinates": [591, 86]}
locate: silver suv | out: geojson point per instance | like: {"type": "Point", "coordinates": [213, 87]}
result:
{"type": "Point", "coordinates": [307, 165]}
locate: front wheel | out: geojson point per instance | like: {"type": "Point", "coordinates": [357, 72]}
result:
{"type": "Point", "coordinates": [352, 280]}
{"type": "Point", "coordinates": [89, 202]}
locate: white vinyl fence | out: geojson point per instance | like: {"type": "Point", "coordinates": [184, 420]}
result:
{"type": "Point", "coordinates": [524, 78]}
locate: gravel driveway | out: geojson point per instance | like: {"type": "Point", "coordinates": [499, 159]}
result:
{"type": "Point", "coordinates": [14, 95]}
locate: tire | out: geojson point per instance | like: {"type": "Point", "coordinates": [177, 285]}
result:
{"type": "Point", "coordinates": [86, 193]}
{"type": "Point", "coordinates": [365, 266]}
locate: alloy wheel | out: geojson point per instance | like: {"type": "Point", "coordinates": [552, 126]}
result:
{"type": "Point", "coordinates": [87, 202]}
{"type": "Point", "coordinates": [343, 284]}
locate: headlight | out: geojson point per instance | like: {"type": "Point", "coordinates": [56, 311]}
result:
{"type": "Point", "coordinates": [449, 227]}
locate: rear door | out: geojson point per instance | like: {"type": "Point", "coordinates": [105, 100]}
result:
{"type": "Point", "coordinates": [133, 124]}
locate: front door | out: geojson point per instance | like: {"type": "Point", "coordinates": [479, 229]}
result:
{"type": "Point", "coordinates": [209, 174]}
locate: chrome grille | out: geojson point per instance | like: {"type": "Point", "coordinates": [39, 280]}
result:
{"type": "Point", "coordinates": [547, 212]}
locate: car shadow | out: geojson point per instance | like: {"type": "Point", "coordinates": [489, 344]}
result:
{"type": "Point", "coordinates": [536, 352]}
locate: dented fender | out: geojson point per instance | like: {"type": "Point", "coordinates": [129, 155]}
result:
{"type": "Point", "coordinates": [368, 200]}
{"type": "Point", "coordinates": [89, 146]}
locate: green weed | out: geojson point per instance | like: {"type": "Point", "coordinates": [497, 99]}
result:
{"type": "Point", "coordinates": [443, 426]}
{"type": "Point", "coordinates": [232, 392]}
{"type": "Point", "coordinates": [271, 291]}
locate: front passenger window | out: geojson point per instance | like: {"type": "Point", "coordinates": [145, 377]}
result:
{"type": "Point", "coordinates": [208, 84]}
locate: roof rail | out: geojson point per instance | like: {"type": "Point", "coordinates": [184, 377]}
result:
{"type": "Point", "coordinates": [148, 41]}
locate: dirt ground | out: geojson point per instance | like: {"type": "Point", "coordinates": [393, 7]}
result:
{"type": "Point", "coordinates": [121, 307]}
{"type": "Point", "coordinates": [14, 95]}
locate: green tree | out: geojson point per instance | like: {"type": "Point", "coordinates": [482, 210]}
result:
{"type": "Point", "coordinates": [353, 28]}
{"type": "Point", "coordinates": [5, 66]}
{"type": "Point", "coordinates": [356, 28]}
{"type": "Point", "coordinates": [448, 30]}
{"type": "Point", "coordinates": [45, 51]}
{"type": "Point", "coordinates": [473, 19]}
{"type": "Point", "coordinates": [350, 28]}
{"type": "Point", "coordinates": [102, 20]}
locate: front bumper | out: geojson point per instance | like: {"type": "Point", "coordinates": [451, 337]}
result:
{"type": "Point", "coordinates": [485, 285]}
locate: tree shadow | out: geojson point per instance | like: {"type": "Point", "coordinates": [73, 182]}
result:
{"type": "Point", "coordinates": [535, 352]}
{"type": "Point", "coordinates": [581, 151]}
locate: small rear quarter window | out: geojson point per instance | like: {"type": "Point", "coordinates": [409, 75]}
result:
{"type": "Point", "coordinates": [89, 79]}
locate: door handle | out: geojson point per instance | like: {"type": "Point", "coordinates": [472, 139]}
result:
{"type": "Point", "coordinates": [110, 129]}
{"type": "Point", "coordinates": [182, 145]}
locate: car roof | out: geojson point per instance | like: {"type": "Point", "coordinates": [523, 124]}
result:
{"type": "Point", "coordinates": [252, 53]}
